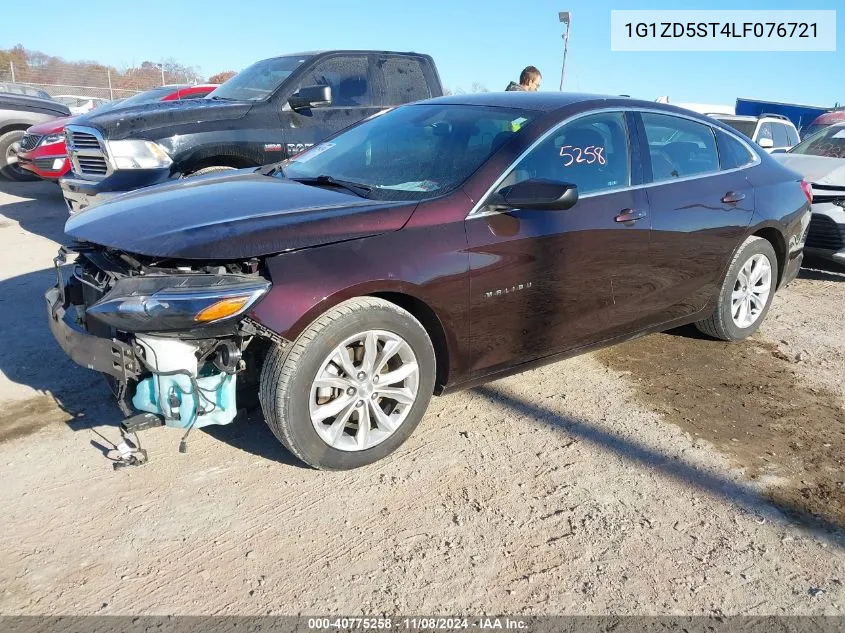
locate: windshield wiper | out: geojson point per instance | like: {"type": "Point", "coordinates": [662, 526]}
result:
{"type": "Point", "coordinates": [359, 189]}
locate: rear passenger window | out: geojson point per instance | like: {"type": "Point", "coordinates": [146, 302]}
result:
{"type": "Point", "coordinates": [781, 139]}
{"type": "Point", "coordinates": [765, 132]}
{"type": "Point", "coordinates": [404, 80]}
{"type": "Point", "coordinates": [590, 152]}
{"type": "Point", "coordinates": [732, 153]}
{"type": "Point", "coordinates": [679, 147]}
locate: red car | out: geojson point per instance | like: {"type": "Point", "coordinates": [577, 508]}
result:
{"type": "Point", "coordinates": [42, 149]}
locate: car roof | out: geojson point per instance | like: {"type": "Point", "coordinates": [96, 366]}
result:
{"type": "Point", "coordinates": [734, 117]}
{"type": "Point", "coordinates": [550, 101]}
{"type": "Point", "coordinates": [835, 116]}
{"type": "Point", "coordinates": [351, 51]}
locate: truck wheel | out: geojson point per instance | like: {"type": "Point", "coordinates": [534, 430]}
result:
{"type": "Point", "coordinates": [352, 387]}
{"type": "Point", "coordinates": [746, 292]}
{"type": "Point", "coordinates": [10, 145]}
{"type": "Point", "coordinates": [209, 170]}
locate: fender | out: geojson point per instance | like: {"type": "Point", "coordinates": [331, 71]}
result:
{"type": "Point", "coordinates": [310, 281]}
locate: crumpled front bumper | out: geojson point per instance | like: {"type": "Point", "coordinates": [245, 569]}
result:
{"type": "Point", "coordinates": [108, 356]}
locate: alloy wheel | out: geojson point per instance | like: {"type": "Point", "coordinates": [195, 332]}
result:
{"type": "Point", "coordinates": [751, 291]}
{"type": "Point", "coordinates": [364, 390]}
{"type": "Point", "coordinates": [12, 162]}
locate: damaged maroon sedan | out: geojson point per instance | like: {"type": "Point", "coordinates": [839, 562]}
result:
{"type": "Point", "coordinates": [426, 249]}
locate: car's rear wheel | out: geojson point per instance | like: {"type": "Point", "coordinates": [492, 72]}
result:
{"type": "Point", "coordinates": [746, 292]}
{"type": "Point", "coordinates": [352, 387]}
{"type": "Point", "coordinates": [10, 146]}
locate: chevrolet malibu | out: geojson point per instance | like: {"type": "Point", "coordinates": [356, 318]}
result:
{"type": "Point", "coordinates": [427, 249]}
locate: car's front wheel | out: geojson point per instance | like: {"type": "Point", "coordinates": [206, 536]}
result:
{"type": "Point", "coordinates": [746, 292]}
{"type": "Point", "coordinates": [10, 146]}
{"type": "Point", "coordinates": [353, 386]}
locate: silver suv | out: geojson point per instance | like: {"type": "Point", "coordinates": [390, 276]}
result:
{"type": "Point", "coordinates": [770, 131]}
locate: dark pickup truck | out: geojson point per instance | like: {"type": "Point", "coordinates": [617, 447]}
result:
{"type": "Point", "coordinates": [268, 112]}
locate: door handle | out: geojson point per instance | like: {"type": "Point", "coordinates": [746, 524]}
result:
{"type": "Point", "coordinates": [732, 197]}
{"type": "Point", "coordinates": [629, 215]}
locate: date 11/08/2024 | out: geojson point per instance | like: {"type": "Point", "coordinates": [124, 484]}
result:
{"type": "Point", "coordinates": [418, 624]}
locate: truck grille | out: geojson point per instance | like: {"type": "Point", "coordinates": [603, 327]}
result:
{"type": "Point", "coordinates": [86, 152]}
{"type": "Point", "coordinates": [827, 193]}
{"type": "Point", "coordinates": [825, 234]}
{"type": "Point", "coordinates": [95, 165]}
{"type": "Point", "coordinates": [30, 142]}
{"type": "Point", "coordinates": [82, 140]}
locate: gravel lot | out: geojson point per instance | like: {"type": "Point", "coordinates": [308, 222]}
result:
{"type": "Point", "coordinates": [670, 475]}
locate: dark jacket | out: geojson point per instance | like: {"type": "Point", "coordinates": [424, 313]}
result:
{"type": "Point", "coordinates": [513, 86]}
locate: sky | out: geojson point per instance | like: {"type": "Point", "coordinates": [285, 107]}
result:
{"type": "Point", "coordinates": [484, 41]}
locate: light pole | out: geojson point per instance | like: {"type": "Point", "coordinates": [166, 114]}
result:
{"type": "Point", "coordinates": [161, 68]}
{"type": "Point", "coordinates": [566, 18]}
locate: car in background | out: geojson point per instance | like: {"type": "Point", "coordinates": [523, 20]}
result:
{"type": "Point", "coordinates": [820, 158]}
{"type": "Point", "coordinates": [430, 248]}
{"type": "Point", "coordinates": [43, 151]}
{"type": "Point", "coordinates": [823, 121]}
{"type": "Point", "coordinates": [269, 111]}
{"type": "Point", "coordinates": [80, 104]}
{"type": "Point", "coordinates": [23, 89]}
{"type": "Point", "coordinates": [17, 113]}
{"type": "Point", "coordinates": [772, 132]}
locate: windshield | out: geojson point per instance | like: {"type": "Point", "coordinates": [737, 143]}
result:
{"type": "Point", "coordinates": [812, 129]}
{"type": "Point", "coordinates": [829, 141]}
{"type": "Point", "coordinates": [149, 96]}
{"type": "Point", "coordinates": [741, 126]}
{"type": "Point", "coordinates": [412, 152]}
{"type": "Point", "coordinates": [258, 81]}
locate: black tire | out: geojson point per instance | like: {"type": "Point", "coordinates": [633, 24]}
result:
{"type": "Point", "coordinates": [720, 324]}
{"type": "Point", "coordinates": [12, 171]}
{"type": "Point", "coordinates": [287, 376]}
{"type": "Point", "coordinates": [209, 170]}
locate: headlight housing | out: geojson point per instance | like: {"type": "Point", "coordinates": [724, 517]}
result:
{"type": "Point", "coordinates": [52, 138]}
{"type": "Point", "coordinates": [138, 154]}
{"type": "Point", "coordinates": [163, 303]}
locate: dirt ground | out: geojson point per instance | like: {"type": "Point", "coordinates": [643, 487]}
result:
{"type": "Point", "coordinates": [669, 475]}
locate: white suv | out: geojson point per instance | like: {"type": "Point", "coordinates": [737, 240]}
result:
{"type": "Point", "coordinates": [770, 131]}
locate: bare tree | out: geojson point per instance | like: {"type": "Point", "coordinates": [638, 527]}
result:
{"type": "Point", "coordinates": [219, 78]}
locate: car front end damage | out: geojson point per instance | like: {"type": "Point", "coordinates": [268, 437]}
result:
{"type": "Point", "coordinates": [174, 338]}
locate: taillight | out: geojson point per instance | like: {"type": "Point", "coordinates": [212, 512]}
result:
{"type": "Point", "coordinates": [807, 188]}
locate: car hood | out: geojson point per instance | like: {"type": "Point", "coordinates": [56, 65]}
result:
{"type": "Point", "coordinates": [237, 216]}
{"type": "Point", "coordinates": [33, 104]}
{"type": "Point", "coordinates": [141, 121]}
{"type": "Point", "coordinates": [54, 126]}
{"type": "Point", "coordinates": [818, 170]}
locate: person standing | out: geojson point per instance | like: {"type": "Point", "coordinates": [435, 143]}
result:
{"type": "Point", "coordinates": [529, 81]}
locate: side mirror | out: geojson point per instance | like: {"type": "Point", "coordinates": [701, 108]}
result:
{"type": "Point", "coordinates": [537, 194]}
{"type": "Point", "coordinates": [311, 97]}
{"type": "Point", "coordinates": [766, 143]}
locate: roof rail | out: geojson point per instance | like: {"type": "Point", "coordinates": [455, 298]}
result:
{"type": "Point", "coordinates": [774, 116]}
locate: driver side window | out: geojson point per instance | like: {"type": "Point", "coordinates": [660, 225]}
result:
{"type": "Point", "coordinates": [590, 152]}
{"type": "Point", "coordinates": [347, 77]}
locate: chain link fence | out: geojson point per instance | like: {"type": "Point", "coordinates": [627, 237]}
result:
{"type": "Point", "coordinates": [91, 82]}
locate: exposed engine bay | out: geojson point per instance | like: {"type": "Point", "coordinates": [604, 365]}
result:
{"type": "Point", "coordinates": [172, 337]}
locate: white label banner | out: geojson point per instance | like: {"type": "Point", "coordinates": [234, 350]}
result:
{"type": "Point", "coordinates": [708, 30]}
